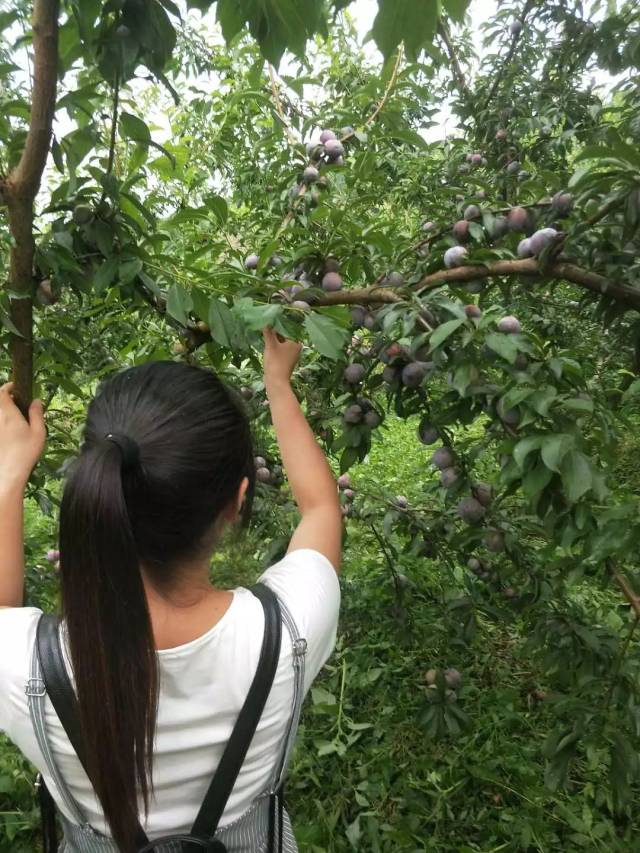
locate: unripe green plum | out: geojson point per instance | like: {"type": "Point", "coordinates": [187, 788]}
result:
{"type": "Point", "coordinates": [454, 256]}
{"type": "Point", "coordinates": [443, 458]}
{"type": "Point", "coordinates": [493, 540]}
{"type": "Point", "coordinates": [510, 325]}
{"type": "Point", "coordinates": [354, 374]}
{"type": "Point", "coordinates": [431, 676]}
{"type": "Point", "coordinates": [44, 293]}
{"type": "Point", "coordinates": [470, 510]}
{"type": "Point", "coordinates": [353, 414]}
{"type": "Point", "coordinates": [331, 282]}
{"type": "Point", "coordinates": [474, 565]}
{"type": "Point", "coordinates": [82, 214]}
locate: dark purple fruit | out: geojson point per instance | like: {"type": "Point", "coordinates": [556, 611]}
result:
{"type": "Point", "coordinates": [263, 475]}
{"type": "Point", "coordinates": [358, 315]}
{"type": "Point", "coordinates": [251, 262]}
{"type": "Point", "coordinates": [353, 414]}
{"type": "Point", "coordinates": [344, 481]}
{"type": "Point", "coordinates": [443, 458]}
{"type": "Point", "coordinates": [470, 510]}
{"type": "Point", "coordinates": [427, 433]}
{"type": "Point", "coordinates": [413, 374]}
{"type": "Point", "coordinates": [332, 281]}
{"type": "Point", "coordinates": [354, 374]}
{"type": "Point", "coordinates": [326, 135]}
{"type": "Point", "coordinates": [509, 325]}
{"type": "Point", "coordinates": [518, 219]}
{"type": "Point", "coordinates": [310, 175]}
{"type": "Point", "coordinates": [372, 419]}
{"type": "Point", "coordinates": [461, 230]}
{"type": "Point", "coordinates": [472, 212]}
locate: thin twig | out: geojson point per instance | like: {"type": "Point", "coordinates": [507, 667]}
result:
{"type": "Point", "coordinates": [445, 35]}
{"type": "Point", "coordinates": [512, 49]}
{"type": "Point", "coordinates": [112, 137]}
{"type": "Point", "coordinates": [625, 586]}
{"type": "Point", "coordinates": [387, 91]}
{"type": "Point", "coordinates": [278, 105]}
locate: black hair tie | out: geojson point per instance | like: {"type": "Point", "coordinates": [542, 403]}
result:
{"type": "Point", "coordinates": [128, 448]}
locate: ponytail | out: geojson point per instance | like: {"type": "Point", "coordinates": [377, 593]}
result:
{"type": "Point", "coordinates": [105, 610]}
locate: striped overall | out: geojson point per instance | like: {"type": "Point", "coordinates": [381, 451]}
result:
{"type": "Point", "coordinates": [248, 834]}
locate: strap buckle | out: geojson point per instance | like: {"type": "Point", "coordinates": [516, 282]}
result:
{"type": "Point", "coordinates": [299, 647]}
{"type": "Point", "coordinates": [39, 782]}
{"type": "Point", "coordinates": [35, 687]}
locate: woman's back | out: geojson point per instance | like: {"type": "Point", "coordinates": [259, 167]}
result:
{"type": "Point", "coordinates": [203, 685]}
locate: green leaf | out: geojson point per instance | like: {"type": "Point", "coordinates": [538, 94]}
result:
{"type": "Point", "coordinates": [256, 317]}
{"type": "Point", "coordinates": [554, 447]}
{"type": "Point", "coordinates": [411, 21]}
{"type": "Point", "coordinates": [129, 269]}
{"type": "Point", "coordinates": [326, 336]}
{"type": "Point", "coordinates": [441, 334]}
{"type": "Point", "coordinates": [222, 323]}
{"type": "Point", "coordinates": [524, 447]}
{"type": "Point", "coordinates": [536, 480]}
{"type": "Point", "coordinates": [456, 9]}
{"type": "Point", "coordinates": [504, 345]}
{"type": "Point", "coordinates": [576, 475]}
{"type": "Point", "coordinates": [578, 404]}
{"type": "Point", "coordinates": [105, 275]}
{"type": "Point", "coordinates": [231, 18]}
{"type": "Point", "coordinates": [132, 127]}
{"type": "Point", "coordinates": [218, 206]}
{"type": "Point", "coordinates": [178, 304]}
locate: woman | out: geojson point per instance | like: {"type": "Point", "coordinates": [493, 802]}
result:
{"type": "Point", "coordinates": [160, 658]}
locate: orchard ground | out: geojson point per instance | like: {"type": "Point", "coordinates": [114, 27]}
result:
{"type": "Point", "coordinates": [370, 772]}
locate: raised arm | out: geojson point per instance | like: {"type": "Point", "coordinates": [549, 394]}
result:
{"type": "Point", "coordinates": [312, 481]}
{"type": "Point", "coordinates": [21, 443]}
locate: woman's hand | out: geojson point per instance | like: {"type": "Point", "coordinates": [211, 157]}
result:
{"type": "Point", "coordinates": [280, 357]}
{"type": "Point", "coordinates": [21, 441]}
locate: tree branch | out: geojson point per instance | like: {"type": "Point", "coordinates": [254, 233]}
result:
{"type": "Point", "coordinates": [19, 191]}
{"type": "Point", "coordinates": [445, 35]}
{"type": "Point", "coordinates": [387, 92]}
{"type": "Point", "coordinates": [512, 49]}
{"type": "Point", "coordinates": [625, 586]}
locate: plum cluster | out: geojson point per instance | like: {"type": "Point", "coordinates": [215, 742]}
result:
{"type": "Point", "coordinates": [270, 476]}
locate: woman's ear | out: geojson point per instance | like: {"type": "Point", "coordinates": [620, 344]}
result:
{"type": "Point", "coordinates": [242, 493]}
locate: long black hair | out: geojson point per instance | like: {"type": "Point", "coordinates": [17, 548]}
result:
{"type": "Point", "coordinates": [166, 447]}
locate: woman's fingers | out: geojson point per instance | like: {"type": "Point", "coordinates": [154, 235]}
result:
{"type": "Point", "coordinates": [36, 421]}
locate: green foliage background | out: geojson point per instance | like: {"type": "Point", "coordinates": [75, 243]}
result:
{"type": "Point", "coordinates": [142, 233]}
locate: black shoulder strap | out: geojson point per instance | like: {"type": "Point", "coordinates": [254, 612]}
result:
{"type": "Point", "coordinates": [64, 701]}
{"type": "Point", "coordinates": [235, 752]}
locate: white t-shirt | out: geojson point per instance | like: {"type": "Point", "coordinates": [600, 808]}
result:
{"type": "Point", "coordinates": [203, 685]}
